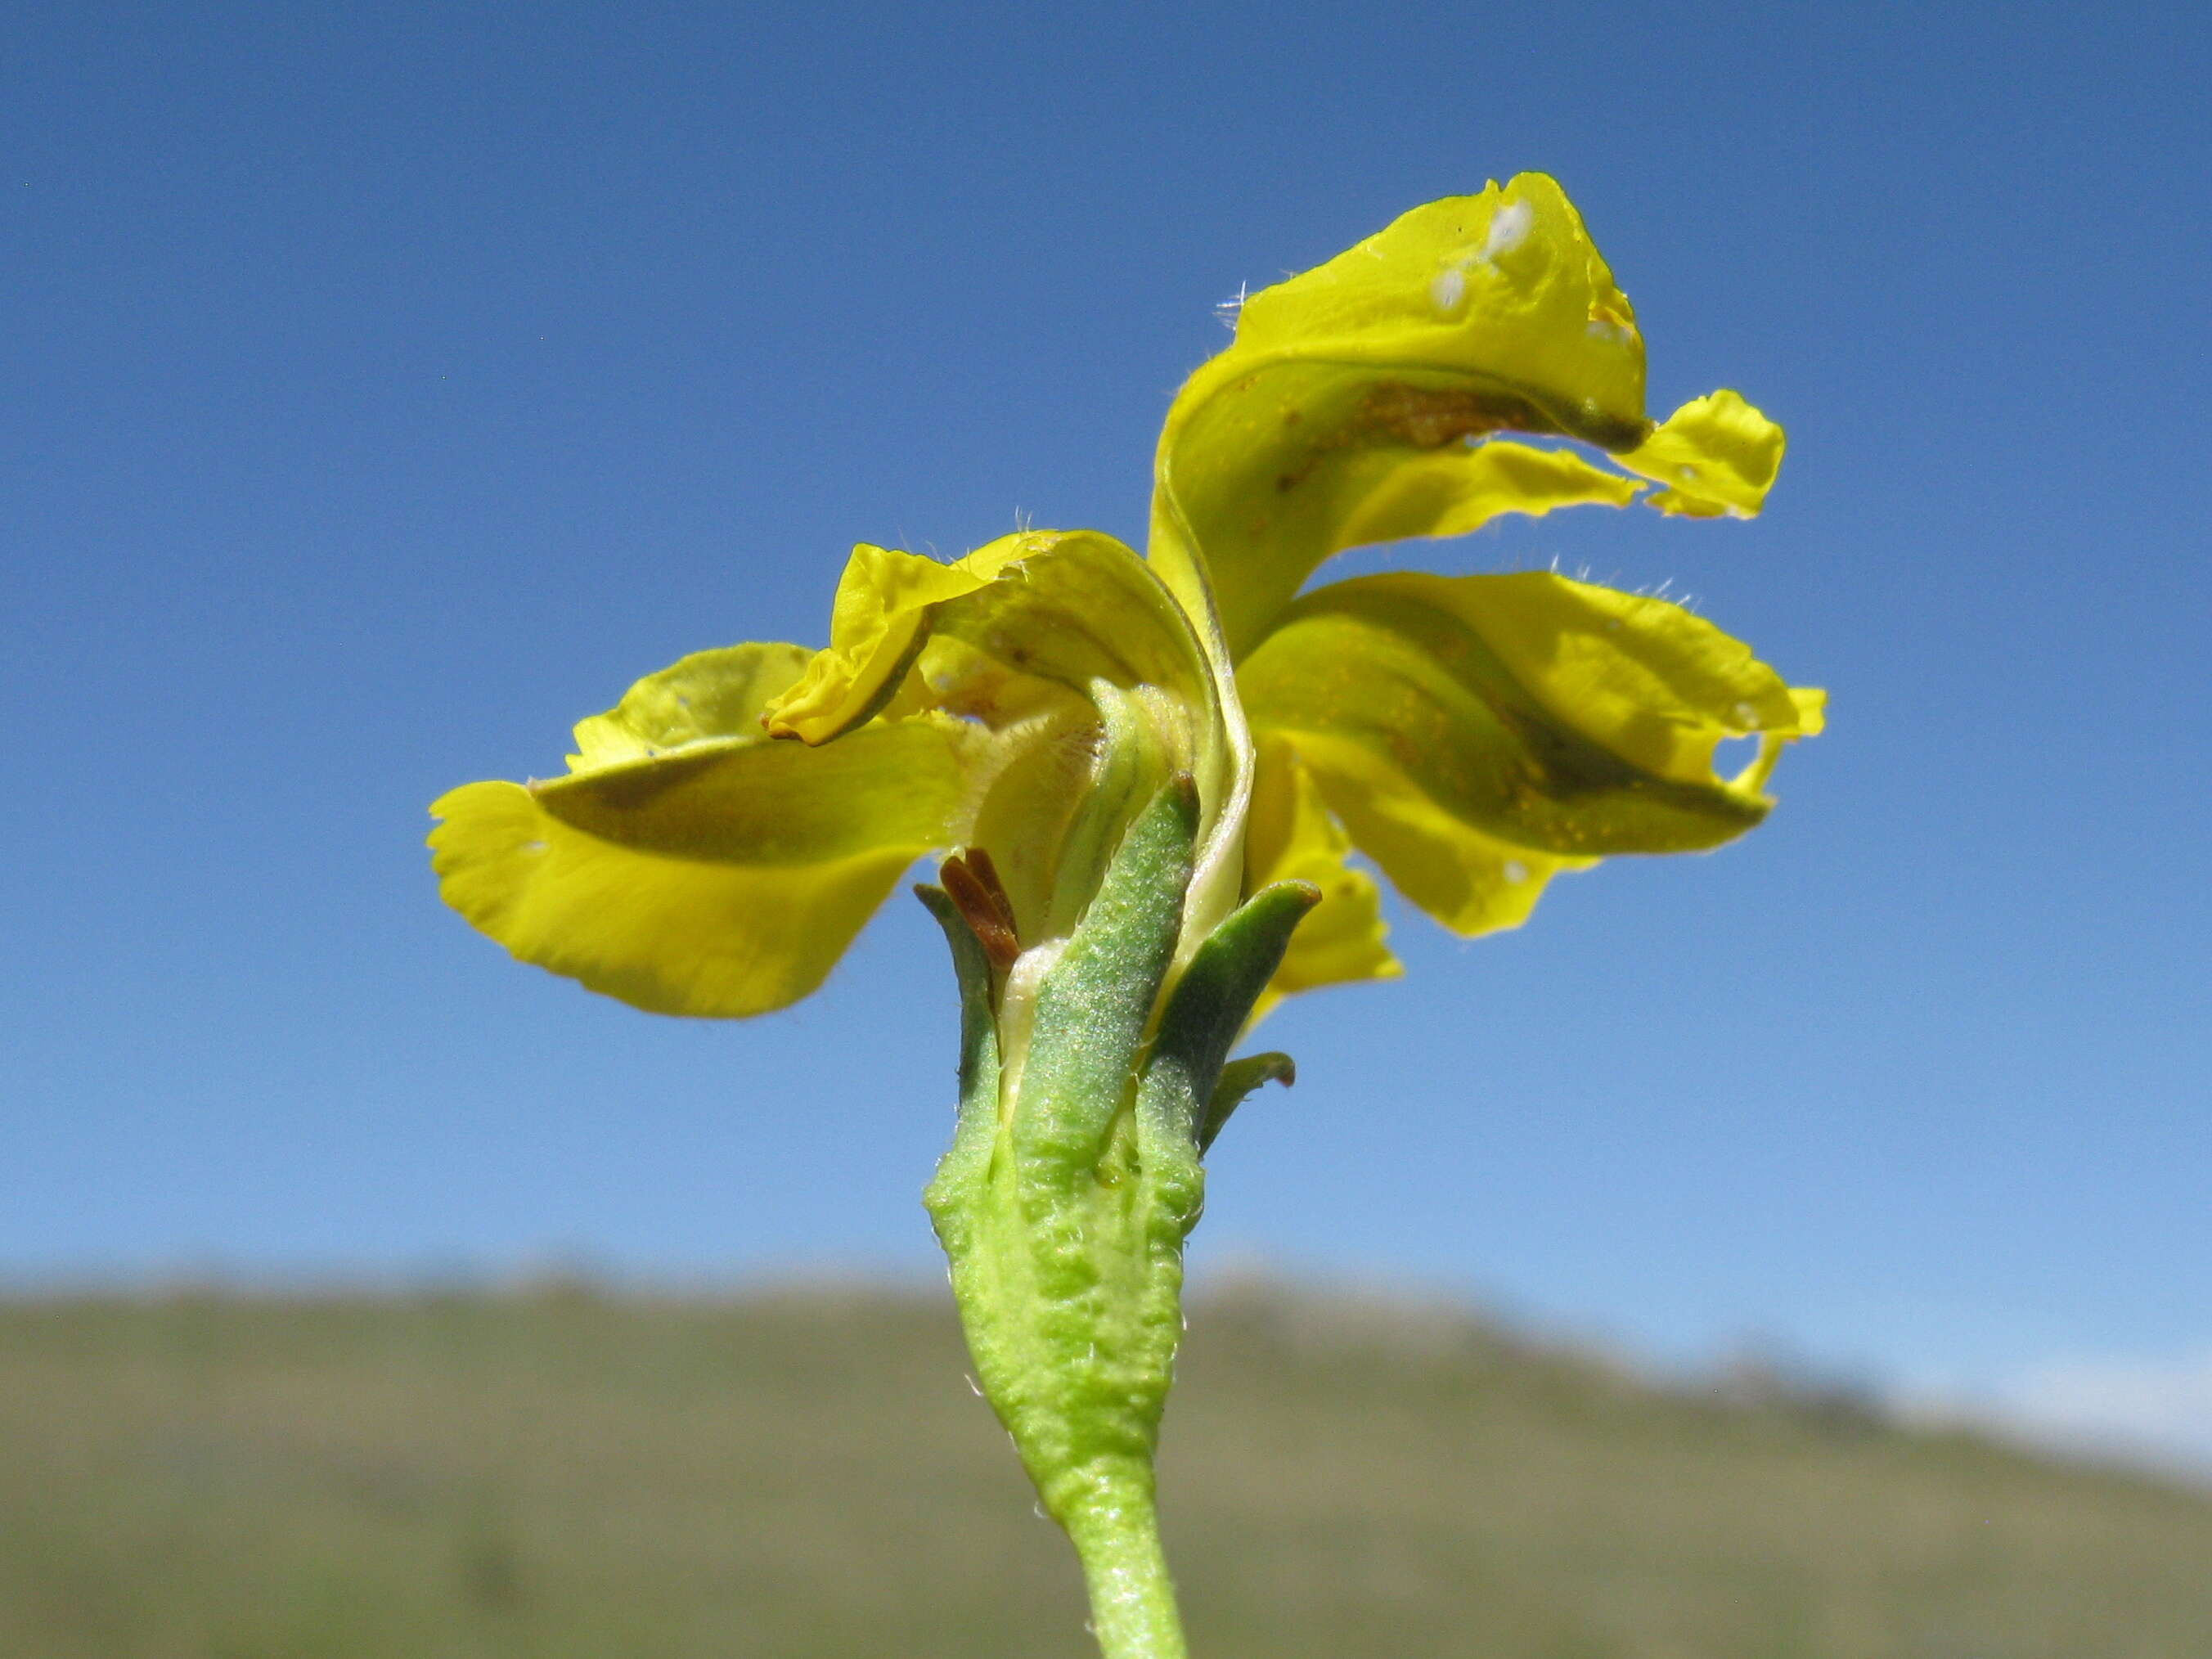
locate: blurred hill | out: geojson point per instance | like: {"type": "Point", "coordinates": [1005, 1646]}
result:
{"type": "Point", "coordinates": [569, 1474]}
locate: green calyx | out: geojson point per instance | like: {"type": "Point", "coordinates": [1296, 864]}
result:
{"type": "Point", "coordinates": [1074, 1179]}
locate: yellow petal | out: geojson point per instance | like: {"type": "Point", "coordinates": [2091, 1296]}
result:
{"type": "Point", "coordinates": [1471, 882]}
{"type": "Point", "coordinates": [1450, 491]}
{"type": "Point", "coordinates": [1505, 287]}
{"type": "Point", "coordinates": [1476, 735]}
{"type": "Point", "coordinates": [721, 875]}
{"type": "Point", "coordinates": [877, 624]}
{"type": "Point", "coordinates": [1292, 837]}
{"type": "Point", "coordinates": [749, 800]}
{"type": "Point", "coordinates": [1074, 607]}
{"type": "Point", "coordinates": [1811, 706]}
{"type": "Point", "coordinates": [709, 693]}
{"type": "Point", "coordinates": [1655, 684]}
{"type": "Point", "coordinates": [1716, 455]}
{"type": "Point", "coordinates": [1465, 318]}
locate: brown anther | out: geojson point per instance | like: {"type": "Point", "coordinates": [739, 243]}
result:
{"type": "Point", "coordinates": [971, 881]}
{"type": "Point", "coordinates": [980, 865]}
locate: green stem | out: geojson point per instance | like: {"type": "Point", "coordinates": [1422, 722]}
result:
{"type": "Point", "coordinates": [1117, 1536]}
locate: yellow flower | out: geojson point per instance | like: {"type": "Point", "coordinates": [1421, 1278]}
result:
{"type": "Point", "coordinates": [724, 831]}
{"type": "Point", "coordinates": [1475, 736]}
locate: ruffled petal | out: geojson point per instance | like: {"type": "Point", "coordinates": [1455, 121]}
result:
{"type": "Point", "coordinates": [1450, 491]}
{"type": "Point", "coordinates": [723, 878]}
{"type": "Point", "coordinates": [1356, 403]}
{"type": "Point", "coordinates": [1063, 608]}
{"type": "Point", "coordinates": [689, 865]}
{"type": "Point", "coordinates": [1478, 734]}
{"type": "Point", "coordinates": [879, 623]}
{"type": "Point", "coordinates": [707, 694]}
{"type": "Point", "coordinates": [1359, 402]}
{"type": "Point", "coordinates": [1504, 287]}
{"type": "Point", "coordinates": [1471, 882]}
{"type": "Point", "coordinates": [1292, 837]}
{"type": "Point", "coordinates": [1716, 455]}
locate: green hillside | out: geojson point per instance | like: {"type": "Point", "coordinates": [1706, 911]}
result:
{"type": "Point", "coordinates": [569, 1475]}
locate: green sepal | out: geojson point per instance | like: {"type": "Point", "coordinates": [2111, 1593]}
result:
{"type": "Point", "coordinates": [1093, 1003]}
{"type": "Point", "coordinates": [1133, 760]}
{"type": "Point", "coordinates": [976, 1128]}
{"type": "Point", "coordinates": [1238, 1078]}
{"type": "Point", "coordinates": [1211, 1004]}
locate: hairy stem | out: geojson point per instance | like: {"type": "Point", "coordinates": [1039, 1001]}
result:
{"type": "Point", "coordinates": [1116, 1534]}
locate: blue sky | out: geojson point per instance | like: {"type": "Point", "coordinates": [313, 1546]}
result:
{"type": "Point", "coordinates": [389, 386]}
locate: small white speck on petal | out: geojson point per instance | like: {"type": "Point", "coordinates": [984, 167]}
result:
{"type": "Point", "coordinates": [1449, 289]}
{"type": "Point", "coordinates": [1509, 229]}
{"type": "Point", "coordinates": [1515, 871]}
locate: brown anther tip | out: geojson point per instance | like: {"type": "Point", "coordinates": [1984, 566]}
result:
{"type": "Point", "coordinates": [978, 859]}
{"type": "Point", "coordinates": [982, 903]}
